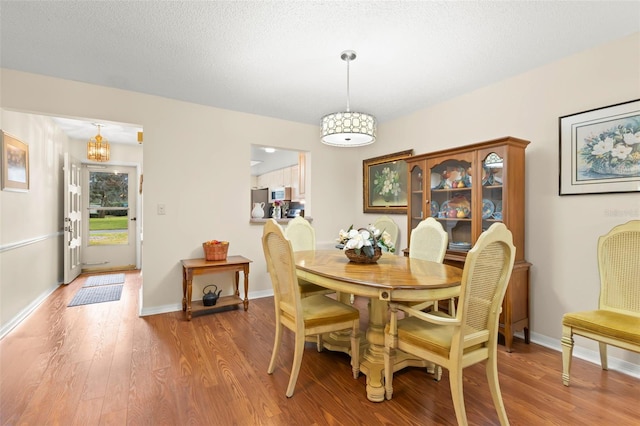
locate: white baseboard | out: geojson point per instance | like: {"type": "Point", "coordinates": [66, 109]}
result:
{"type": "Point", "coordinates": [616, 364]}
{"type": "Point", "coordinates": [6, 328]}
{"type": "Point", "coordinates": [178, 306]}
{"type": "Point", "coordinates": [260, 294]}
{"type": "Point", "coordinates": [165, 309]}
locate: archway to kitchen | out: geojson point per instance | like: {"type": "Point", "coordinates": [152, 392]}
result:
{"type": "Point", "coordinates": [280, 173]}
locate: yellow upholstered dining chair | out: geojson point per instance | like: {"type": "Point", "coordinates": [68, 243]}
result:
{"type": "Point", "coordinates": [313, 315]}
{"type": "Point", "coordinates": [429, 241]}
{"type": "Point", "coordinates": [616, 322]}
{"type": "Point", "coordinates": [385, 223]}
{"type": "Point", "coordinates": [471, 336]}
{"type": "Point", "coordinates": [301, 234]}
{"type": "Point", "coordinates": [303, 237]}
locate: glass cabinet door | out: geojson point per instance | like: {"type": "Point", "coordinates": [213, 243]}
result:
{"type": "Point", "coordinates": [417, 212]}
{"type": "Point", "coordinates": [450, 198]}
{"type": "Point", "coordinates": [492, 183]}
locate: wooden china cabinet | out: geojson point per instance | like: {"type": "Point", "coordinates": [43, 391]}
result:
{"type": "Point", "coordinates": [467, 189]}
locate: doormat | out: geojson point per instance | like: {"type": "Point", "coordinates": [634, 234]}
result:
{"type": "Point", "coordinates": [86, 296]}
{"type": "Point", "coordinates": [104, 280]}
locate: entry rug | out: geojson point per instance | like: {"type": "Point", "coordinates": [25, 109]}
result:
{"type": "Point", "coordinates": [104, 280]}
{"type": "Point", "coordinates": [86, 296]}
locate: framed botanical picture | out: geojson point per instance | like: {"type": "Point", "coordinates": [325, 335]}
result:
{"type": "Point", "coordinates": [600, 150]}
{"type": "Point", "coordinates": [384, 181]}
{"type": "Point", "coordinates": [15, 164]}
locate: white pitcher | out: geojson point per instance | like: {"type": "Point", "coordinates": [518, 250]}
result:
{"type": "Point", "coordinates": [258, 210]}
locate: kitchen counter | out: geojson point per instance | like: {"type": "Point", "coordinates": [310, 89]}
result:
{"type": "Point", "coordinates": [283, 221]}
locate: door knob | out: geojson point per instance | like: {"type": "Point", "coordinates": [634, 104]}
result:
{"type": "Point", "coordinates": [133, 218]}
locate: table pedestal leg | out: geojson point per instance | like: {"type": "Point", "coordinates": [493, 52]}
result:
{"type": "Point", "coordinates": [372, 350]}
{"type": "Point", "coordinates": [372, 362]}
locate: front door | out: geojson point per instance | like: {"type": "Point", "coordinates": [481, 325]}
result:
{"type": "Point", "coordinates": [72, 219]}
{"type": "Point", "coordinates": [110, 241]}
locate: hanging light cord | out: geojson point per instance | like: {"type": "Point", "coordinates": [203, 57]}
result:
{"type": "Point", "coordinates": [348, 55]}
{"type": "Point", "coordinates": [348, 59]}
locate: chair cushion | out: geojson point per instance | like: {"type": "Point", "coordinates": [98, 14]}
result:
{"type": "Point", "coordinates": [623, 327]}
{"type": "Point", "coordinates": [432, 337]}
{"type": "Point", "coordinates": [320, 310]}
{"type": "Point", "coordinates": [435, 338]}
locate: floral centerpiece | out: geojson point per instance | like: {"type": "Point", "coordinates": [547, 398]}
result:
{"type": "Point", "coordinates": [615, 150]}
{"type": "Point", "coordinates": [386, 183]}
{"type": "Point", "coordinates": [277, 209]}
{"type": "Point", "coordinates": [365, 245]}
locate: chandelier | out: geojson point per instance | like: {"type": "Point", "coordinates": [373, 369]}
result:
{"type": "Point", "coordinates": [348, 128]}
{"type": "Point", "coordinates": [98, 148]}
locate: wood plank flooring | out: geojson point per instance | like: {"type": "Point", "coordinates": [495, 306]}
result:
{"type": "Point", "coordinates": [101, 364]}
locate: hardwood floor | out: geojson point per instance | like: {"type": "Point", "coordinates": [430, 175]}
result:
{"type": "Point", "coordinates": [103, 365]}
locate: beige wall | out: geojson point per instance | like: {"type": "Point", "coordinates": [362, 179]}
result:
{"type": "Point", "coordinates": [30, 222]}
{"type": "Point", "coordinates": [196, 163]}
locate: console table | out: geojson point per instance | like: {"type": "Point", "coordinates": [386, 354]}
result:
{"type": "Point", "coordinates": [193, 267]}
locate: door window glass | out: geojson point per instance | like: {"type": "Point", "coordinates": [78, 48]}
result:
{"type": "Point", "coordinates": [108, 208]}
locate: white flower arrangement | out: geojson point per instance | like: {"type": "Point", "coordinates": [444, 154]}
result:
{"type": "Point", "coordinates": [365, 240]}
{"type": "Point", "coordinates": [615, 150]}
{"type": "Point", "coordinates": [387, 183]}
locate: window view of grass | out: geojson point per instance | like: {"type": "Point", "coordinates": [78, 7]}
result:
{"type": "Point", "coordinates": [108, 230]}
{"type": "Point", "coordinates": [108, 222]}
{"type": "Point", "coordinates": [108, 212]}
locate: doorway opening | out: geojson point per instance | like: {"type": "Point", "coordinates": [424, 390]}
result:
{"type": "Point", "coordinates": [110, 218]}
{"type": "Point", "coordinates": [108, 208]}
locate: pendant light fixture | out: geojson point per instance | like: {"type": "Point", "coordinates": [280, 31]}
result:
{"type": "Point", "coordinates": [347, 129]}
{"type": "Point", "coordinates": [98, 149]}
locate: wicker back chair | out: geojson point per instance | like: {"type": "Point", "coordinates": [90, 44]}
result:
{"type": "Point", "coordinates": [471, 336]}
{"type": "Point", "coordinates": [385, 223]}
{"type": "Point", "coordinates": [309, 316]}
{"type": "Point", "coordinates": [303, 237]}
{"type": "Point", "coordinates": [301, 234]}
{"type": "Point", "coordinates": [429, 241]}
{"type": "Point", "coordinates": [617, 320]}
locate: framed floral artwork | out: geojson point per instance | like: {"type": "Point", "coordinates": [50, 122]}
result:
{"type": "Point", "coordinates": [384, 181]}
{"type": "Point", "coordinates": [600, 150]}
{"type": "Point", "coordinates": [15, 164]}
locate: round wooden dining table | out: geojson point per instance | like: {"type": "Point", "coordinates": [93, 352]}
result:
{"type": "Point", "coordinates": [391, 278]}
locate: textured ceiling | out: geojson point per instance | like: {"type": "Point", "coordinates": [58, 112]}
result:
{"type": "Point", "coordinates": [282, 58]}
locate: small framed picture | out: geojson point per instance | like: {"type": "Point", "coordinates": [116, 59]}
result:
{"type": "Point", "coordinates": [600, 150]}
{"type": "Point", "coordinates": [15, 164]}
{"type": "Point", "coordinates": [384, 183]}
